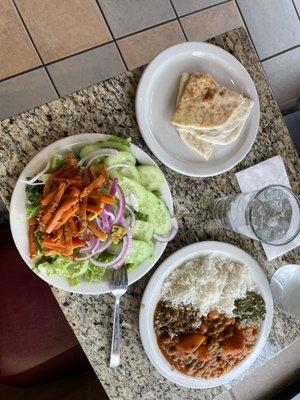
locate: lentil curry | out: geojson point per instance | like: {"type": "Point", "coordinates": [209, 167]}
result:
{"type": "Point", "coordinates": [205, 346]}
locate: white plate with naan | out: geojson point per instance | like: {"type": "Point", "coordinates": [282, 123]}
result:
{"type": "Point", "coordinates": [156, 102]}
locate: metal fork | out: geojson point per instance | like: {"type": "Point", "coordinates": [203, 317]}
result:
{"type": "Point", "coordinates": [118, 287]}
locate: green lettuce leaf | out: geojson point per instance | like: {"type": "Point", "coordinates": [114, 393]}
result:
{"type": "Point", "coordinates": [34, 195]}
{"type": "Point", "coordinates": [75, 271]}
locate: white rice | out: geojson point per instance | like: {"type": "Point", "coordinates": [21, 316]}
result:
{"type": "Point", "coordinates": [208, 283]}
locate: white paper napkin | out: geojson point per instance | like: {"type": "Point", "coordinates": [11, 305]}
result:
{"type": "Point", "coordinates": [268, 172]}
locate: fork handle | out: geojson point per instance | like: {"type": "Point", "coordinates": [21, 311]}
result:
{"type": "Point", "coordinates": [115, 343]}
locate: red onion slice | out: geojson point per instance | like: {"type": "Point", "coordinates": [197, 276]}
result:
{"type": "Point", "coordinates": [37, 176]}
{"type": "Point", "coordinates": [132, 216]}
{"type": "Point", "coordinates": [119, 259]}
{"type": "Point", "coordinates": [134, 202]}
{"type": "Point", "coordinates": [100, 249]}
{"type": "Point", "coordinates": [99, 223]}
{"type": "Point", "coordinates": [171, 235]}
{"type": "Point", "coordinates": [96, 246]}
{"type": "Point", "coordinates": [105, 223]}
{"type": "Point", "coordinates": [96, 154]}
{"type": "Point", "coordinates": [32, 184]}
{"type": "Point", "coordinates": [122, 204]}
{"type": "Point", "coordinates": [113, 187]}
{"type": "Point", "coordinates": [110, 214]}
{"type": "Point", "coordinates": [118, 166]}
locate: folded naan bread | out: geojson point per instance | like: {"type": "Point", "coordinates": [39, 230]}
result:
{"type": "Point", "coordinates": [205, 104]}
{"type": "Point", "coordinates": [201, 147]}
{"type": "Point", "coordinates": [230, 133]}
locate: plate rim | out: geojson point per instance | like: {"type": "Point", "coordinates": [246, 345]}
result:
{"type": "Point", "coordinates": [148, 137]}
{"type": "Point", "coordinates": [157, 279]}
{"type": "Point", "coordinates": [62, 145]}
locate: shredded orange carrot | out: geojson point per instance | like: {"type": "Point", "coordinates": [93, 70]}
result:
{"type": "Point", "coordinates": [50, 252]}
{"type": "Point", "coordinates": [33, 221]}
{"type": "Point", "coordinates": [48, 198]}
{"type": "Point", "coordinates": [99, 234]}
{"type": "Point", "coordinates": [97, 183]}
{"type": "Point", "coordinates": [57, 234]}
{"type": "Point", "coordinates": [70, 199]}
{"type": "Point", "coordinates": [69, 239]}
{"type": "Point", "coordinates": [91, 172]}
{"type": "Point", "coordinates": [32, 243]}
{"type": "Point", "coordinates": [106, 199]}
{"type": "Point", "coordinates": [65, 217]}
{"type": "Point", "coordinates": [103, 172]}
{"type": "Point", "coordinates": [94, 208]}
{"type": "Point", "coordinates": [73, 226]}
{"type": "Point", "coordinates": [71, 161]}
{"type": "Point", "coordinates": [78, 242]}
{"type": "Point", "coordinates": [59, 213]}
{"type": "Point", "coordinates": [95, 194]}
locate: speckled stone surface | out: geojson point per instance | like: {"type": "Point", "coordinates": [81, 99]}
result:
{"type": "Point", "coordinates": [109, 107]}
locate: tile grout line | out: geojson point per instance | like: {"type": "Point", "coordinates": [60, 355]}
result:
{"type": "Point", "coordinates": [78, 53]}
{"type": "Point", "coordinates": [281, 52]}
{"type": "Point", "coordinates": [203, 9]}
{"type": "Point", "coordinates": [33, 44]}
{"type": "Point", "coordinates": [56, 61]}
{"type": "Point", "coordinates": [252, 41]}
{"type": "Point", "coordinates": [296, 9]}
{"type": "Point", "coordinates": [20, 73]}
{"type": "Point", "coordinates": [183, 31]}
{"type": "Point", "coordinates": [146, 29]}
{"type": "Point", "coordinates": [112, 35]}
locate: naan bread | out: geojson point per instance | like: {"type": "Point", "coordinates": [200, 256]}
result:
{"type": "Point", "coordinates": [201, 147]}
{"type": "Point", "coordinates": [230, 133]}
{"type": "Point", "coordinates": [205, 104]}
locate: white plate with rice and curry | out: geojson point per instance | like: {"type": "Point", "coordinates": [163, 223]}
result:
{"type": "Point", "coordinates": [197, 109]}
{"type": "Point", "coordinates": [206, 315]}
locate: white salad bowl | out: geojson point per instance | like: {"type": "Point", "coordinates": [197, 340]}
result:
{"type": "Point", "coordinates": [19, 224]}
{"type": "Point", "coordinates": [152, 295]}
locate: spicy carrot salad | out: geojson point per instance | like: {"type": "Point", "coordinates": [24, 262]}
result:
{"type": "Point", "coordinates": [95, 209]}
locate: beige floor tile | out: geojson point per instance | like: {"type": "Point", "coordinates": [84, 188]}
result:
{"type": "Point", "coordinates": [212, 22]}
{"type": "Point", "coordinates": [86, 69]}
{"type": "Point", "coordinates": [141, 48]}
{"type": "Point", "coordinates": [14, 36]}
{"type": "Point", "coordinates": [184, 7]}
{"type": "Point", "coordinates": [24, 92]}
{"type": "Point", "coordinates": [129, 16]}
{"type": "Point", "coordinates": [61, 28]}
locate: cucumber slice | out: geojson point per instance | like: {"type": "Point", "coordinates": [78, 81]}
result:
{"type": "Point", "coordinates": [130, 172]}
{"type": "Point", "coordinates": [142, 231]}
{"type": "Point", "coordinates": [89, 148]}
{"type": "Point", "coordinates": [129, 187]}
{"type": "Point", "coordinates": [118, 139]}
{"type": "Point", "coordinates": [123, 157]}
{"type": "Point", "coordinates": [158, 214]}
{"type": "Point", "coordinates": [111, 144]}
{"type": "Point", "coordinates": [156, 209]}
{"type": "Point", "coordinates": [152, 177]}
{"type": "Point", "coordinates": [140, 251]}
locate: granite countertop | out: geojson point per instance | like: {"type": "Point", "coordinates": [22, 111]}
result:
{"type": "Point", "coordinates": [108, 107]}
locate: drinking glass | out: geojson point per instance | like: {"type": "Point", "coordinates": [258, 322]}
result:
{"type": "Point", "coordinates": [270, 215]}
